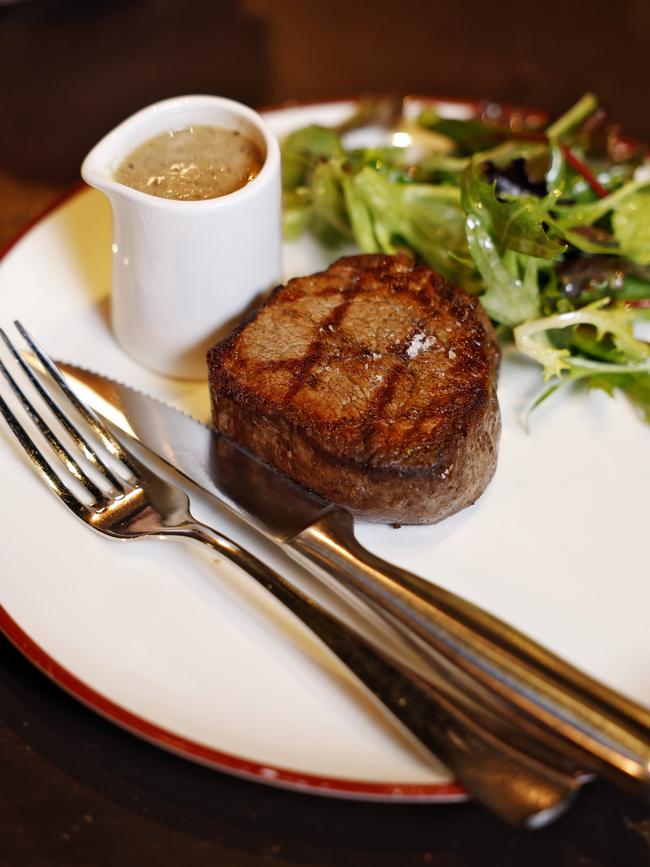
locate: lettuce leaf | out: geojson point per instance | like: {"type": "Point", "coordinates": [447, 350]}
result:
{"type": "Point", "coordinates": [508, 299]}
{"type": "Point", "coordinates": [587, 214]}
{"type": "Point", "coordinates": [429, 219]}
{"type": "Point", "coordinates": [631, 225]}
{"type": "Point", "coordinates": [469, 136]}
{"type": "Point", "coordinates": [516, 224]}
{"type": "Point", "coordinates": [303, 150]}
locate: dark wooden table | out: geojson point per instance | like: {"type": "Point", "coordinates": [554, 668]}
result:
{"type": "Point", "coordinates": [74, 790]}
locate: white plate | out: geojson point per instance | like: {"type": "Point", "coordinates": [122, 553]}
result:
{"type": "Point", "coordinates": [193, 656]}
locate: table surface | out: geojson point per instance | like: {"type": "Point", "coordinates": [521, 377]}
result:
{"type": "Point", "coordinates": [75, 789]}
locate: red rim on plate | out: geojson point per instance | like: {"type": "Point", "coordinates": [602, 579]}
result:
{"type": "Point", "coordinates": [161, 737]}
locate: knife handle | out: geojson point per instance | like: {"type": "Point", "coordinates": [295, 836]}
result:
{"type": "Point", "coordinates": [521, 786]}
{"type": "Point", "coordinates": [600, 728]}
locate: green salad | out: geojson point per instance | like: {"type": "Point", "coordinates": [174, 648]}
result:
{"type": "Point", "coordinates": [550, 227]}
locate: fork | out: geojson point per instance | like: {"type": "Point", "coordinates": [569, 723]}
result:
{"type": "Point", "coordinates": [523, 783]}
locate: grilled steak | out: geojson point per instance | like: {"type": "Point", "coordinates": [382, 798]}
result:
{"type": "Point", "coordinates": [372, 383]}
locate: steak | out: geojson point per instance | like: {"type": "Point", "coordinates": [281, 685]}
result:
{"type": "Point", "coordinates": [373, 383]}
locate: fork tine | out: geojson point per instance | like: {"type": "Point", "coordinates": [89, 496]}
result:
{"type": "Point", "coordinates": [46, 471]}
{"type": "Point", "coordinates": [55, 444]}
{"type": "Point", "coordinates": [111, 444]}
{"type": "Point", "coordinates": [89, 453]}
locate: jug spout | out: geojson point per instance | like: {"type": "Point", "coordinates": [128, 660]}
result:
{"type": "Point", "coordinates": [99, 166]}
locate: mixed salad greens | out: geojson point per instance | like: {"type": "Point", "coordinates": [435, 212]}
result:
{"type": "Point", "coordinates": [551, 227]}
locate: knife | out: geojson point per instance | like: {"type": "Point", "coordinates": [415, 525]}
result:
{"type": "Point", "coordinates": [535, 690]}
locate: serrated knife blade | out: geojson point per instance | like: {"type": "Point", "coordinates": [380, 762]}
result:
{"type": "Point", "coordinates": [267, 500]}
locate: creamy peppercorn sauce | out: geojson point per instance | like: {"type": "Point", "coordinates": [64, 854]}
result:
{"type": "Point", "coordinates": [199, 162]}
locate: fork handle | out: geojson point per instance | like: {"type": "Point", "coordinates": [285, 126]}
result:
{"type": "Point", "coordinates": [519, 788]}
{"type": "Point", "coordinates": [533, 685]}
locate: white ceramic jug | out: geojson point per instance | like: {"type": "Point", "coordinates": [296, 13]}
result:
{"type": "Point", "coordinates": [183, 271]}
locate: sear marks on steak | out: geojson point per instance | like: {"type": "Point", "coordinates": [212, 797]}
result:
{"type": "Point", "coordinates": [372, 383]}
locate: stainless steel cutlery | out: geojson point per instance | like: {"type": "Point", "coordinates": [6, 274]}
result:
{"type": "Point", "coordinates": [519, 727]}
